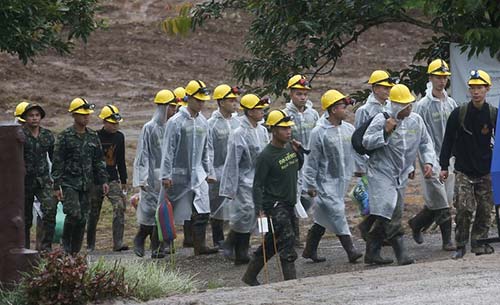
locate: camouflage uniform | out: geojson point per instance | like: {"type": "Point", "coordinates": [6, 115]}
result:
{"type": "Point", "coordinates": [78, 158]}
{"type": "Point", "coordinates": [38, 182]}
{"type": "Point", "coordinates": [472, 195]}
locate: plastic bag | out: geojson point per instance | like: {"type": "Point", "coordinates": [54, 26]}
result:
{"type": "Point", "coordinates": [359, 195]}
{"type": "Point", "coordinates": [60, 217]}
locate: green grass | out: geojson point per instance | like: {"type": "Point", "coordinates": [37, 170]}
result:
{"type": "Point", "coordinates": [12, 297]}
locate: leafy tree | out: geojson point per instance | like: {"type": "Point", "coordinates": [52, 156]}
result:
{"type": "Point", "coordinates": [28, 27]}
{"type": "Point", "coordinates": [309, 36]}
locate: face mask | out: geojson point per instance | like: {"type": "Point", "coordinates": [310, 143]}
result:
{"type": "Point", "coordinates": [396, 108]}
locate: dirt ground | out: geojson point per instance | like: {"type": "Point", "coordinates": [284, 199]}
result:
{"type": "Point", "coordinates": [129, 61]}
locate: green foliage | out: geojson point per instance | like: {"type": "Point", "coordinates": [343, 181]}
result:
{"type": "Point", "coordinates": [28, 27]}
{"type": "Point", "coordinates": [309, 36]}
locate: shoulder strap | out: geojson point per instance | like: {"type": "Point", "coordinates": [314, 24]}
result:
{"type": "Point", "coordinates": [386, 115]}
{"type": "Point", "coordinates": [461, 115]}
{"type": "Point", "coordinates": [493, 116]}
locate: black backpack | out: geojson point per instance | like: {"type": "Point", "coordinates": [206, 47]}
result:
{"type": "Point", "coordinates": [357, 136]}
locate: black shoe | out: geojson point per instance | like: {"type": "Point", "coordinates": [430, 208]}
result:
{"type": "Point", "coordinates": [420, 222]}
{"type": "Point", "coordinates": [140, 239]}
{"type": "Point", "coordinates": [313, 238]}
{"type": "Point", "coordinates": [445, 228]}
{"type": "Point", "coordinates": [459, 253]}
{"type": "Point", "coordinates": [372, 254]}
{"type": "Point", "coordinates": [199, 241]}
{"type": "Point", "coordinates": [229, 244]}
{"type": "Point", "coordinates": [253, 269]}
{"type": "Point", "coordinates": [288, 268]}
{"type": "Point", "coordinates": [188, 234]}
{"type": "Point", "coordinates": [121, 248]}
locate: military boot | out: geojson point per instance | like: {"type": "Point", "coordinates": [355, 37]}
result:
{"type": "Point", "coordinates": [313, 238]}
{"type": "Point", "coordinates": [66, 236]}
{"type": "Point", "coordinates": [77, 237]}
{"type": "Point", "coordinates": [352, 253]}
{"type": "Point", "coordinates": [373, 247]}
{"type": "Point", "coordinates": [288, 269]}
{"type": "Point", "coordinates": [188, 234]}
{"type": "Point", "coordinates": [242, 243]}
{"type": "Point", "coordinates": [217, 232]}
{"type": "Point", "coordinates": [253, 269]}
{"type": "Point", "coordinates": [421, 221]}
{"type": "Point", "coordinates": [364, 227]}
{"type": "Point", "coordinates": [446, 236]}
{"type": "Point", "coordinates": [400, 251]}
{"type": "Point", "coordinates": [459, 253]}
{"type": "Point", "coordinates": [229, 245]}
{"type": "Point", "coordinates": [91, 232]}
{"type": "Point", "coordinates": [140, 239]}
{"type": "Point", "coordinates": [48, 236]}
{"type": "Point", "coordinates": [199, 240]}
{"type": "Point", "coordinates": [118, 228]}
{"type": "Point", "coordinates": [157, 248]}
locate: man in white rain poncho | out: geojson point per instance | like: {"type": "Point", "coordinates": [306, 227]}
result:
{"type": "Point", "coordinates": [395, 142]}
{"type": "Point", "coordinates": [381, 83]}
{"type": "Point", "coordinates": [304, 117]}
{"type": "Point", "coordinates": [221, 124]}
{"type": "Point", "coordinates": [327, 172]}
{"type": "Point", "coordinates": [186, 166]}
{"type": "Point", "coordinates": [435, 108]}
{"type": "Point", "coordinates": [147, 172]}
{"type": "Point", "coordinates": [244, 146]}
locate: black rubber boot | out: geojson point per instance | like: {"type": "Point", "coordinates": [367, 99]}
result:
{"type": "Point", "coordinates": [188, 234]}
{"type": "Point", "coordinates": [400, 251]}
{"type": "Point", "coordinates": [91, 232]}
{"type": "Point", "coordinates": [421, 221]}
{"type": "Point", "coordinates": [47, 237]}
{"type": "Point", "coordinates": [229, 245]}
{"type": "Point", "coordinates": [288, 269]}
{"type": "Point", "coordinates": [242, 243]}
{"type": "Point", "coordinates": [157, 248]}
{"type": "Point", "coordinates": [140, 239]}
{"type": "Point", "coordinates": [446, 236]}
{"type": "Point", "coordinates": [313, 238]}
{"type": "Point", "coordinates": [459, 253]}
{"type": "Point", "coordinates": [217, 232]}
{"type": "Point", "coordinates": [66, 236]}
{"type": "Point", "coordinates": [372, 254]}
{"type": "Point", "coordinates": [199, 240]}
{"type": "Point", "coordinates": [77, 237]}
{"type": "Point", "coordinates": [365, 225]}
{"type": "Point", "coordinates": [352, 253]}
{"type": "Point", "coordinates": [253, 269]}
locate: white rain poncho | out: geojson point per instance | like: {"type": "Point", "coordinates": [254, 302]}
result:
{"type": "Point", "coordinates": [244, 146]}
{"type": "Point", "coordinates": [304, 123]}
{"type": "Point", "coordinates": [186, 162]}
{"type": "Point", "coordinates": [363, 114]}
{"type": "Point", "coordinates": [147, 166]}
{"type": "Point", "coordinates": [435, 114]}
{"type": "Point", "coordinates": [388, 167]}
{"type": "Point", "coordinates": [328, 169]}
{"type": "Point", "coordinates": [219, 130]}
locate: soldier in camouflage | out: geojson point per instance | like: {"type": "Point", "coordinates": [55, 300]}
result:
{"type": "Point", "coordinates": [78, 161]}
{"type": "Point", "coordinates": [38, 148]}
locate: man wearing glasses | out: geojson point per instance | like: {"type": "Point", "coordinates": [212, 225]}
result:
{"type": "Point", "coordinates": [275, 194]}
{"type": "Point", "coordinates": [469, 137]}
{"type": "Point", "coordinates": [304, 117]}
{"type": "Point", "coordinates": [434, 108]}
{"type": "Point", "coordinates": [113, 145]}
{"type": "Point", "coordinates": [237, 176]}
{"type": "Point", "coordinates": [327, 173]}
{"type": "Point", "coordinates": [186, 167]}
{"type": "Point", "coordinates": [78, 164]}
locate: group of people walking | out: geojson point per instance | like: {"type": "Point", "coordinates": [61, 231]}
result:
{"type": "Point", "coordinates": [242, 166]}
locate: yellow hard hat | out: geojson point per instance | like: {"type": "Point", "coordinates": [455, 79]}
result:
{"type": "Point", "coordinates": [438, 67]}
{"type": "Point", "coordinates": [198, 90]}
{"type": "Point", "coordinates": [298, 82]}
{"type": "Point", "coordinates": [225, 91]}
{"type": "Point", "coordinates": [382, 78]}
{"type": "Point", "coordinates": [479, 77]}
{"type": "Point", "coordinates": [20, 110]}
{"type": "Point", "coordinates": [401, 94]}
{"type": "Point", "coordinates": [331, 97]}
{"type": "Point", "coordinates": [252, 101]}
{"type": "Point", "coordinates": [279, 118]}
{"type": "Point", "coordinates": [165, 96]}
{"type": "Point", "coordinates": [32, 106]}
{"type": "Point", "coordinates": [80, 105]}
{"type": "Point", "coordinates": [180, 96]}
{"type": "Point", "coordinates": [111, 114]}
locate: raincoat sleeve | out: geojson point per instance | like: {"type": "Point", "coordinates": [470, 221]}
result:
{"type": "Point", "coordinates": [208, 157]}
{"type": "Point", "coordinates": [58, 161]}
{"type": "Point", "coordinates": [452, 126]}
{"type": "Point", "coordinates": [231, 171]}
{"type": "Point", "coordinates": [311, 165]}
{"type": "Point", "coordinates": [170, 140]}
{"type": "Point", "coordinates": [375, 135]}
{"type": "Point", "coordinates": [210, 144]}
{"type": "Point", "coordinates": [141, 161]}
{"type": "Point", "coordinates": [426, 147]}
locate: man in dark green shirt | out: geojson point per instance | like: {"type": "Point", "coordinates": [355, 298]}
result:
{"type": "Point", "coordinates": [275, 193]}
